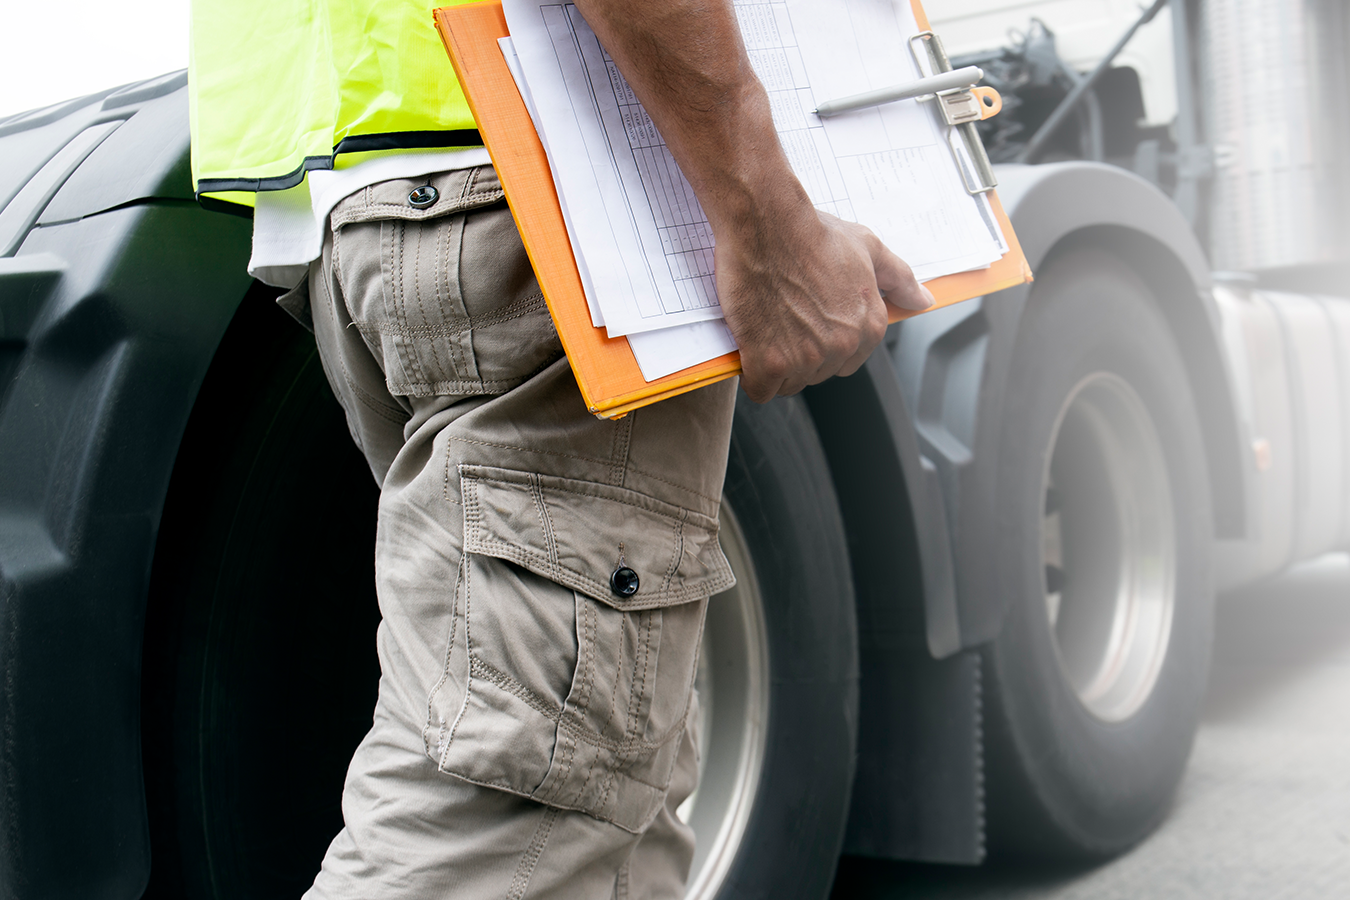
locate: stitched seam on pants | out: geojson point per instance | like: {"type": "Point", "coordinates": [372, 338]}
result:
{"type": "Point", "coordinates": [486, 546]}
{"type": "Point", "coordinates": [645, 474]}
{"type": "Point", "coordinates": [468, 678]}
{"type": "Point", "coordinates": [445, 673]}
{"type": "Point", "coordinates": [441, 243]}
{"type": "Point", "coordinates": [581, 791]}
{"type": "Point", "coordinates": [443, 293]}
{"type": "Point", "coordinates": [523, 307]}
{"type": "Point", "coordinates": [521, 882]}
{"type": "Point", "coordinates": [494, 386]}
{"type": "Point", "coordinates": [583, 695]}
{"type": "Point", "coordinates": [464, 440]}
{"type": "Point", "coordinates": [621, 757]}
{"type": "Point", "coordinates": [592, 489]}
{"type": "Point", "coordinates": [586, 663]}
{"type": "Point", "coordinates": [406, 214]}
{"type": "Point", "coordinates": [445, 484]}
{"type": "Point", "coordinates": [621, 881]}
{"type": "Point", "coordinates": [415, 370]}
{"type": "Point", "coordinates": [592, 629]}
{"type": "Point", "coordinates": [470, 503]}
{"type": "Point", "coordinates": [637, 694]}
{"type": "Point", "coordinates": [550, 538]}
{"type": "Point", "coordinates": [613, 708]}
{"type": "Point", "coordinates": [464, 341]}
{"type": "Point", "coordinates": [611, 776]}
{"type": "Point", "coordinates": [639, 679]}
{"type": "Point", "coordinates": [418, 239]}
{"type": "Point", "coordinates": [369, 209]}
{"type": "Point", "coordinates": [441, 388]}
{"type": "Point", "coordinates": [412, 365]}
{"type": "Point", "coordinates": [680, 514]}
{"type": "Point", "coordinates": [623, 436]}
{"type": "Point", "coordinates": [487, 672]}
{"type": "Point", "coordinates": [676, 556]}
{"type": "Point", "coordinates": [601, 495]}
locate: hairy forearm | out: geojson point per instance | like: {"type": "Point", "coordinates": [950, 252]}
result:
{"type": "Point", "coordinates": [804, 294]}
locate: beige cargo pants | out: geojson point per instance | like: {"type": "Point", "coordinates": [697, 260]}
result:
{"type": "Point", "coordinates": [530, 737]}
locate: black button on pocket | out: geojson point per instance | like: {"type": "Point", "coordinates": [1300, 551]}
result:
{"type": "Point", "coordinates": [624, 581]}
{"type": "Point", "coordinates": [422, 197]}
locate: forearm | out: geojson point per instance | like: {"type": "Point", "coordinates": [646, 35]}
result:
{"type": "Point", "coordinates": [804, 294]}
{"type": "Point", "coordinates": [686, 62]}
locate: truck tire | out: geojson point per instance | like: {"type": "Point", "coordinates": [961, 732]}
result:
{"type": "Point", "coordinates": [1095, 682]}
{"type": "Point", "coordinates": [262, 616]}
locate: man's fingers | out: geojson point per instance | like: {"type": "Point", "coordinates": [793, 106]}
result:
{"type": "Point", "coordinates": [761, 376]}
{"type": "Point", "coordinates": [896, 279]}
{"type": "Point", "coordinates": [816, 313]}
{"type": "Point", "coordinates": [873, 333]}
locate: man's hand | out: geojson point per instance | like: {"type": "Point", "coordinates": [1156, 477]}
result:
{"type": "Point", "coordinates": [809, 300]}
{"type": "Point", "coordinates": [802, 291]}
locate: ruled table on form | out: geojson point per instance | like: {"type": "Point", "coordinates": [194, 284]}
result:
{"type": "Point", "coordinates": [643, 243]}
{"type": "Point", "coordinates": [678, 245]}
{"type": "Point", "coordinates": [686, 239]}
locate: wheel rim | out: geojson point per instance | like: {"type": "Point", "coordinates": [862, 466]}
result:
{"type": "Point", "coordinates": [732, 683]}
{"type": "Point", "coordinates": [1108, 546]}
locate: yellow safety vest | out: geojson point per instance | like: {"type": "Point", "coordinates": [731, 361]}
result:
{"type": "Point", "coordinates": [280, 87]}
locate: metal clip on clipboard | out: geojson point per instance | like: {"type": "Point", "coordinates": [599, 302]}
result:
{"type": "Point", "coordinates": [960, 109]}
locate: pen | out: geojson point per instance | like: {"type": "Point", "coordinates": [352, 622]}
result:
{"type": "Point", "coordinates": [943, 81]}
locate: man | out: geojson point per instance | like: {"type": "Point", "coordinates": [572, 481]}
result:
{"type": "Point", "coordinates": [532, 734]}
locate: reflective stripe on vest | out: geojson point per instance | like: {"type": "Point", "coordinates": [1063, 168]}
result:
{"type": "Point", "coordinates": [279, 87]}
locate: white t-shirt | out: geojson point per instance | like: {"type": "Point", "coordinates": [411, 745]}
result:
{"type": "Point", "coordinates": [288, 225]}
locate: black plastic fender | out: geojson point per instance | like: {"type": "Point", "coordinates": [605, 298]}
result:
{"type": "Point", "coordinates": [115, 288]}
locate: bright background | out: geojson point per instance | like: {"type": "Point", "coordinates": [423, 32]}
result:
{"type": "Point", "coordinates": [59, 49]}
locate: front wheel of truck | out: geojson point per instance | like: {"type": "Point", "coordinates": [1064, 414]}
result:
{"type": "Point", "coordinates": [1094, 683]}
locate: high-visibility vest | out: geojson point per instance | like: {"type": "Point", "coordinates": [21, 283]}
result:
{"type": "Point", "coordinates": [280, 87]}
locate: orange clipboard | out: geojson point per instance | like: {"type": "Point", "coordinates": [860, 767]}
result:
{"type": "Point", "coordinates": [606, 370]}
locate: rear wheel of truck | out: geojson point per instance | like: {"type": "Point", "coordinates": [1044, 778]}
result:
{"type": "Point", "coordinates": [260, 636]}
{"type": "Point", "coordinates": [1095, 681]}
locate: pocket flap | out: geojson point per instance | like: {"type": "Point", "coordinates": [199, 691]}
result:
{"type": "Point", "coordinates": [569, 531]}
{"type": "Point", "coordinates": [455, 191]}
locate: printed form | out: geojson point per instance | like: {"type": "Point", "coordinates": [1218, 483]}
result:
{"type": "Point", "coordinates": [643, 244]}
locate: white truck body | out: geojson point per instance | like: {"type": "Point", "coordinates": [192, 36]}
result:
{"type": "Point", "coordinates": [1269, 84]}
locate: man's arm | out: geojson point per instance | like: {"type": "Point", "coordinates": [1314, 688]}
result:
{"type": "Point", "coordinates": [801, 290]}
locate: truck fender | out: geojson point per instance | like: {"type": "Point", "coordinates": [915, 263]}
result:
{"type": "Point", "coordinates": [911, 466]}
{"type": "Point", "coordinates": [114, 291]}
{"type": "Point", "coordinates": [953, 364]}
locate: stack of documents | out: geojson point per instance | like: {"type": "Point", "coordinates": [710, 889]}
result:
{"type": "Point", "coordinates": [643, 247]}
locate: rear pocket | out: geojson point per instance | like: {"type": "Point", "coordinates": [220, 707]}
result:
{"type": "Point", "coordinates": [443, 294]}
{"type": "Point", "coordinates": [557, 687]}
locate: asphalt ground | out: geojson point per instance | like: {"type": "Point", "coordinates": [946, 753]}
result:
{"type": "Point", "coordinates": [1263, 812]}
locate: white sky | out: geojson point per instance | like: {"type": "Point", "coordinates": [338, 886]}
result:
{"type": "Point", "coordinates": [58, 49]}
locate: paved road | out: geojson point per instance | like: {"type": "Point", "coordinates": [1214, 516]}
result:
{"type": "Point", "coordinates": [1264, 810]}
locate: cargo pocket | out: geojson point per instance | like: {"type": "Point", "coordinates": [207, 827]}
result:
{"type": "Point", "coordinates": [557, 687]}
{"type": "Point", "coordinates": [437, 281]}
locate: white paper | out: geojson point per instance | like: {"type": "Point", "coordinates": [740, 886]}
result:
{"type": "Point", "coordinates": [898, 174]}
{"type": "Point", "coordinates": [635, 221]}
{"type": "Point", "coordinates": [641, 270]}
{"type": "Point", "coordinates": [513, 65]}
{"type": "Point", "coordinates": [659, 353]}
